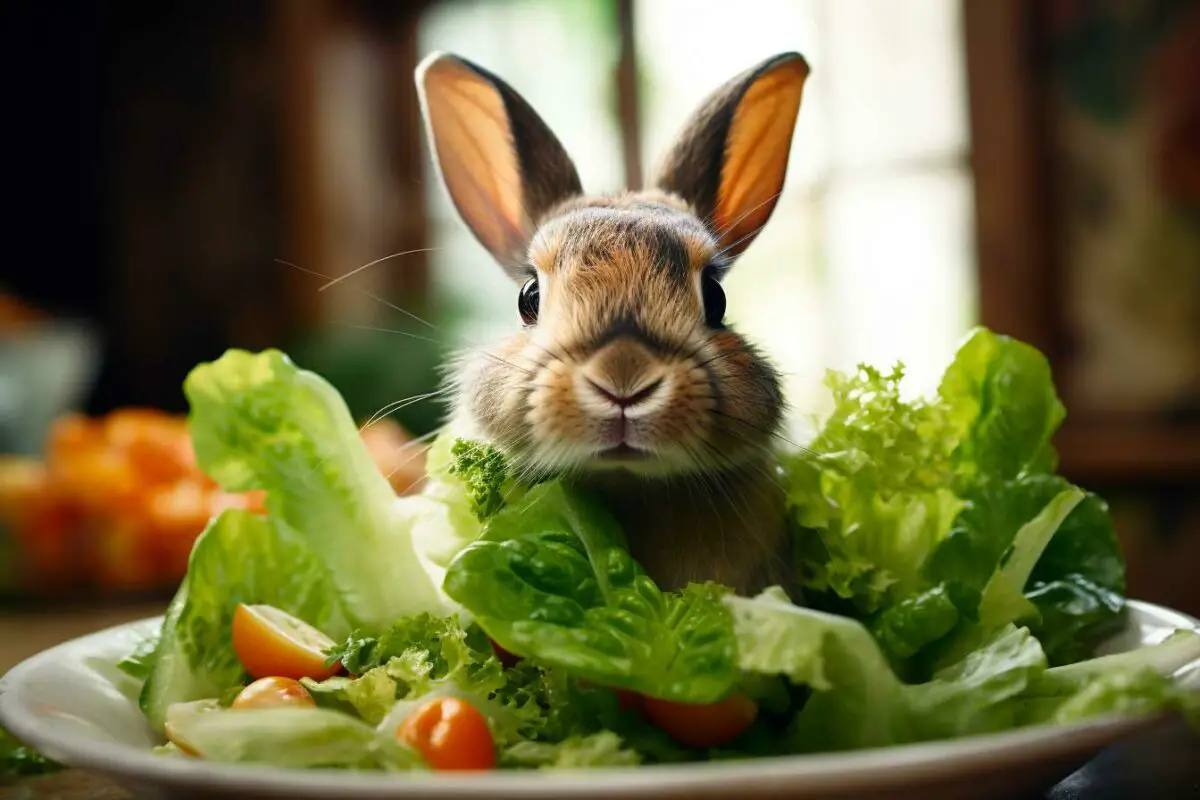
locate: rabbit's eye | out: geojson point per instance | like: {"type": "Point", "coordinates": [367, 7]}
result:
{"type": "Point", "coordinates": [714, 300]}
{"type": "Point", "coordinates": [528, 301]}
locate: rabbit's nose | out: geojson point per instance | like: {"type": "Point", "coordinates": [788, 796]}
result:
{"type": "Point", "coordinates": [626, 398]}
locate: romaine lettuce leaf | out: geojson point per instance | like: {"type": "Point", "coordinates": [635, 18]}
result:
{"type": "Point", "coordinates": [999, 397]}
{"type": "Point", "coordinates": [1159, 677]}
{"type": "Point", "coordinates": [857, 700]}
{"type": "Point", "coordinates": [260, 422]}
{"type": "Point", "coordinates": [551, 579]}
{"type": "Point", "coordinates": [240, 557]}
{"type": "Point", "coordinates": [294, 737]}
{"type": "Point", "coordinates": [1003, 598]}
{"type": "Point", "coordinates": [337, 549]}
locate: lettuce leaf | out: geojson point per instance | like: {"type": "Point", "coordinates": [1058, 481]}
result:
{"type": "Point", "coordinates": [1078, 583]}
{"type": "Point", "coordinates": [1159, 677]}
{"type": "Point", "coordinates": [858, 701]}
{"type": "Point", "coordinates": [337, 548]}
{"type": "Point", "coordinates": [236, 559]}
{"type": "Point", "coordinates": [413, 658]}
{"type": "Point", "coordinates": [294, 737]}
{"type": "Point", "coordinates": [1003, 600]}
{"type": "Point", "coordinates": [551, 579]}
{"type": "Point", "coordinates": [602, 749]}
{"type": "Point", "coordinates": [869, 493]}
{"type": "Point", "coordinates": [905, 509]}
{"type": "Point", "coordinates": [999, 396]}
{"type": "Point", "coordinates": [260, 422]}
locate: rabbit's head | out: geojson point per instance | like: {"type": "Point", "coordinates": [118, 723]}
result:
{"type": "Point", "coordinates": [620, 357]}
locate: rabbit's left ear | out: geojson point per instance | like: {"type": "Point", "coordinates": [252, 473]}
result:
{"type": "Point", "coordinates": [730, 160]}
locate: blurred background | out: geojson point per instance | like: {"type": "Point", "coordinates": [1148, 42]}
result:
{"type": "Point", "coordinates": [190, 177]}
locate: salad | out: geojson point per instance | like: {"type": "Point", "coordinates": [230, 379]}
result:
{"type": "Point", "coordinates": [954, 584]}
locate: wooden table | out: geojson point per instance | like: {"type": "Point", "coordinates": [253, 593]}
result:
{"type": "Point", "coordinates": [1164, 762]}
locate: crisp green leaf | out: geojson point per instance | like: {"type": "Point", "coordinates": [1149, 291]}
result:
{"type": "Point", "coordinates": [370, 696]}
{"type": "Point", "coordinates": [260, 422]}
{"type": "Point", "coordinates": [999, 396]}
{"type": "Point", "coordinates": [140, 660]}
{"type": "Point", "coordinates": [602, 749]}
{"type": "Point", "coordinates": [857, 700]}
{"type": "Point", "coordinates": [1146, 679]}
{"type": "Point", "coordinates": [906, 627]}
{"type": "Point", "coordinates": [551, 579]}
{"type": "Point", "coordinates": [235, 560]}
{"type": "Point", "coordinates": [294, 737]}
{"type": "Point", "coordinates": [1077, 583]}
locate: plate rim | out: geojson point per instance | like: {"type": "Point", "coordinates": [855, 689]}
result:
{"type": "Point", "coordinates": [870, 767]}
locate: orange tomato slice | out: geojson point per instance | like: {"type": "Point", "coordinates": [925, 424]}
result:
{"type": "Point", "coordinates": [271, 642]}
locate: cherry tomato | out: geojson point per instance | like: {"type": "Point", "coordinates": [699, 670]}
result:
{"type": "Point", "coordinates": [507, 659]}
{"type": "Point", "coordinates": [450, 734]}
{"type": "Point", "coordinates": [271, 642]}
{"type": "Point", "coordinates": [710, 725]}
{"type": "Point", "coordinates": [629, 701]}
{"type": "Point", "coordinates": [273, 692]}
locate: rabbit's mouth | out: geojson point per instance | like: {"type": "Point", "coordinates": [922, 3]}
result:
{"type": "Point", "coordinates": [624, 453]}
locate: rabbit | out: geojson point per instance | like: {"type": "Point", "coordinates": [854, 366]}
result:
{"type": "Point", "coordinates": [623, 376]}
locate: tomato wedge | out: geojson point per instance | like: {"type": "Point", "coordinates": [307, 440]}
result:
{"type": "Point", "coordinates": [709, 725]}
{"type": "Point", "coordinates": [273, 692]}
{"type": "Point", "coordinates": [272, 643]}
{"type": "Point", "coordinates": [450, 734]}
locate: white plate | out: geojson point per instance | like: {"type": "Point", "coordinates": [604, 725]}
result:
{"type": "Point", "coordinates": [74, 706]}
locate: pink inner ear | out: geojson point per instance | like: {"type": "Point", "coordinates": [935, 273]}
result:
{"type": "Point", "coordinates": [756, 154]}
{"type": "Point", "coordinates": [473, 144]}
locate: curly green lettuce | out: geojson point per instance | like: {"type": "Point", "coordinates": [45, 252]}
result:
{"type": "Point", "coordinates": [906, 509]}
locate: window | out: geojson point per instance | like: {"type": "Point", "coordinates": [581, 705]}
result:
{"type": "Point", "coordinates": [869, 254]}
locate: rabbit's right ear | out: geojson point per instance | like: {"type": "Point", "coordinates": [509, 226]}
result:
{"type": "Point", "coordinates": [503, 167]}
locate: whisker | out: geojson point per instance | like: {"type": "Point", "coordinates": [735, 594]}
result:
{"type": "Point", "coordinates": [363, 292]}
{"type": "Point", "coordinates": [763, 431]}
{"type": "Point", "coordinates": [357, 270]}
{"type": "Point", "coordinates": [396, 405]}
{"type": "Point", "coordinates": [378, 329]}
{"type": "Point", "coordinates": [745, 214]}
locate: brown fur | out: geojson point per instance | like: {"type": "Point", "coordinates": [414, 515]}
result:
{"type": "Point", "coordinates": [622, 315]}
